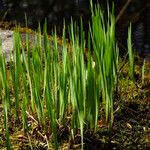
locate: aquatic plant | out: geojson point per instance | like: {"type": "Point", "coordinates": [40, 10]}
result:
{"type": "Point", "coordinates": [131, 55]}
{"type": "Point", "coordinates": [49, 82]}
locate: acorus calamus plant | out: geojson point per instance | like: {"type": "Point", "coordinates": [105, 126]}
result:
{"type": "Point", "coordinates": [49, 81]}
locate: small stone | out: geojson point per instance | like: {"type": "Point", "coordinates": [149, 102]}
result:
{"type": "Point", "coordinates": [6, 37]}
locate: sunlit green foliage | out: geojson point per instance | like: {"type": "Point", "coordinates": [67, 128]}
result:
{"type": "Point", "coordinates": [131, 55]}
{"type": "Point", "coordinates": [51, 82]}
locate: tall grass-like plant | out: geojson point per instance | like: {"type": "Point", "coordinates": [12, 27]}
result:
{"type": "Point", "coordinates": [131, 54]}
{"type": "Point", "coordinates": [38, 77]}
{"type": "Point", "coordinates": [78, 78]}
{"type": "Point", "coordinates": [5, 95]}
{"type": "Point", "coordinates": [64, 79]}
{"type": "Point", "coordinates": [50, 85]}
{"type": "Point", "coordinates": [16, 71]}
{"type": "Point", "coordinates": [93, 91]}
{"type": "Point", "coordinates": [53, 81]}
{"type": "Point", "coordinates": [105, 53]}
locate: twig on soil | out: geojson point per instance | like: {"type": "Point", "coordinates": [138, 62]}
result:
{"type": "Point", "coordinates": [32, 117]}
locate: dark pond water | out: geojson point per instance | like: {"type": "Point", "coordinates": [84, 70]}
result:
{"type": "Point", "coordinates": [138, 13]}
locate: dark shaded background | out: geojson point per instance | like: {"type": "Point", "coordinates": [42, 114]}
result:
{"type": "Point", "coordinates": [138, 13]}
